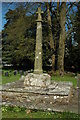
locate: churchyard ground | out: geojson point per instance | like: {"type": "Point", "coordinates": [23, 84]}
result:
{"type": "Point", "coordinates": [18, 112]}
{"type": "Point", "coordinates": [12, 78]}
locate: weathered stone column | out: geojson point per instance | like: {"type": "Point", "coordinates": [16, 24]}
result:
{"type": "Point", "coordinates": [38, 50]}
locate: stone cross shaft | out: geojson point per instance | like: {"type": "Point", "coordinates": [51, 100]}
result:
{"type": "Point", "coordinates": [38, 50]}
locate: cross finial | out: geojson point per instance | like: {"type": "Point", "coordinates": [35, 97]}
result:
{"type": "Point", "coordinates": [39, 14]}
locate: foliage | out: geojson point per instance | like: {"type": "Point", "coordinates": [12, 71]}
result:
{"type": "Point", "coordinates": [18, 43]}
{"type": "Point", "coordinates": [72, 57]}
{"type": "Point", "coordinates": [19, 36]}
{"type": "Point", "coordinates": [20, 112]}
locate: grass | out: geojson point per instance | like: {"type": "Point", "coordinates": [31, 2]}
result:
{"type": "Point", "coordinates": [66, 78]}
{"type": "Point", "coordinates": [18, 112]}
{"type": "Point", "coordinates": [11, 78]}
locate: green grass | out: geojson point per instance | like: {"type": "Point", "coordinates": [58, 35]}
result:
{"type": "Point", "coordinates": [66, 78]}
{"type": "Point", "coordinates": [11, 78]}
{"type": "Point", "coordinates": [18, 112]}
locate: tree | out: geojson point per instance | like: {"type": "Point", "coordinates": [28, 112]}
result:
{"type": "Point", "coordinates": [62, 39]}
{"type": "Point", "coordinates": [73, 42]}
{"type": "Point", "coordinates": [17, 37]}
{"type": "Point", "coordinates": [20, 32]}
{"type": "Point", "coordinates": [50, 34]}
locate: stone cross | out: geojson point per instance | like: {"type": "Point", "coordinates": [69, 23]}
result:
{"type": "Point", "coordinates": [38, 50]}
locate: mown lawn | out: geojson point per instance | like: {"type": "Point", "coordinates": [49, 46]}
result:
{"type": "Point", "coordinates": [10, 78]}
{"type": "Point", "coordinates": [67, 78]}
{"type": "Point", "coordinates": [18, 112]}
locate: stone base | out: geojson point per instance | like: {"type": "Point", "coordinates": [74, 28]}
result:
{"type": "Point", "coordinates": [41, 98]}
{"type": "Point", "coordinates": [37, 80]}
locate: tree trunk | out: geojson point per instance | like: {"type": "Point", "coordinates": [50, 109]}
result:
{"type": "Point", "coordinates": [50, 36]}
{"type": "Point", "coordinates": [57, 34]}
{"type": "Point", "coordinates": [62, 39]}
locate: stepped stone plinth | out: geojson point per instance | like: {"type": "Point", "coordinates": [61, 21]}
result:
{"type": "Point", "coordinates": [49, 97]}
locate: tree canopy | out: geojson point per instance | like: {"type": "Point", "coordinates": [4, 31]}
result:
{"type": "Point", "coordinates": [19, 35]}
